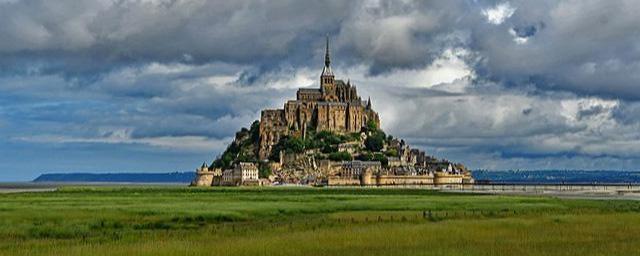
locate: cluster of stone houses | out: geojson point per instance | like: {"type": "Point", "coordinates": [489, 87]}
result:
{"type": "Point", "coordinates": [409, 167]}
{"type": "Point", "coordinates": [345, 173]}
{"type": "Point", "coordinates": [243, 174]}
{"type": "Point", "coordinates": [371, 173]}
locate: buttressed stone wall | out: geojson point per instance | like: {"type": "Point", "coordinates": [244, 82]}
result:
{"type": "Point", "coordinates": [273, 126]}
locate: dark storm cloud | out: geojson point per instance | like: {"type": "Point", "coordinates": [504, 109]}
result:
{"type": "Point", "coordinates": [86, 38]}
{"type": "Point", "coordinates": [589, 47]}
{"type": "Point", "coordinates": [93, 36]}
{"type": "Point", "coordinates": [627, 113]}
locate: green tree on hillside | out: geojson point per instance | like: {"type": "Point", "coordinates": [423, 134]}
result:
{"type": "Point", "coordinates": [371, 126]}
{"type": "Point", "coordinates": [293, 145]}
{"type": "Point", "coordinates": [264, 171]}
{"type": "Point", "coordinates": [340, 156]}
{"type": "Point", "coordinates": [287, 144]}
{"type": "Point", "coordinates": [365, 156]}
{"type": "Point", "coordinates": [375, 142]}
{"type": "Point", "coordinates": [392, 152]}
{"type": "Point", "coordinates": [381, 158]}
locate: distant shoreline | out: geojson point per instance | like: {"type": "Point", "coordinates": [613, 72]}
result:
{"type": "Point", "coordinates": [581, 177]}
{"type": "Point", "coordinates": [34, 184]}
{"type": "Point", "coordinates": [30, 186]}
{"type": "Point", "coordinates": [124, 177]}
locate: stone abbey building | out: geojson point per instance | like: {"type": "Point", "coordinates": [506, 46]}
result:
{"type": "Point", "coordinates": [335, 107]}
{"type": "Point", "coordinates": [336, 151]}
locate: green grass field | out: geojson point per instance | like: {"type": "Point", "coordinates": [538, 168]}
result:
{"type": "Point", "coordinates": [310, 221]}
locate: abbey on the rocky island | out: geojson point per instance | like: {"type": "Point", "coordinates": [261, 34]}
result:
{"type": "Point", "coordinates": [326, 136]}
{"type": "Point", "coordinates": [334, 107]}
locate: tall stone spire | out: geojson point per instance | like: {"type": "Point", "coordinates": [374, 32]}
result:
{"type": "Point", "coordinates": [327, 83]}
{"type": "Point", "coordinates": [326, 71]}
{"type": "Point", "coordinates": [327, 59]}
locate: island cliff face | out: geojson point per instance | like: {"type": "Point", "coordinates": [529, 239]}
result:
{"type": "Point", "coordinates": [327, 135]}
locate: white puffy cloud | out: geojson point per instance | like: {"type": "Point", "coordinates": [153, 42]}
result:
{"type": "Point", "coordinates": [499, 13]}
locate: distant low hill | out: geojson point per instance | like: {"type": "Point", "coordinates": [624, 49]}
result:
{"type": "Point", "coordinates": [174, 177]}
{"type": "Point", "coordinates": [556, 176]}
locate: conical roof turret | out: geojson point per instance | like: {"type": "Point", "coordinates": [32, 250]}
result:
{"type": "Point", "coordinates": [326, 71]}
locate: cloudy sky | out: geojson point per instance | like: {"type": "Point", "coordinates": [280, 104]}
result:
{"type": "Point", "coordinates": [162, 85]}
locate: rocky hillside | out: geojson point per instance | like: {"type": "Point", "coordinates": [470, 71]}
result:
{"type": "Point", "coordinates": [304, 152]}
{"type": "Point", "coordinates": [244, 148]}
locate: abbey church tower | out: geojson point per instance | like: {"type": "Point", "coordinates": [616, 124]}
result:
{"type": "Point", "coordinates": [327, 79]}
{"type": "Point", "coordinates": [334, 107]}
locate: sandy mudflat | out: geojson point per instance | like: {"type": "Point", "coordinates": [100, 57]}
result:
{"type": "Point", "coordinates": [566, 191]}
{"type": "Point", "coordinates": [23, 190]}
{"type": "Point", "coordinates": [20, 187]}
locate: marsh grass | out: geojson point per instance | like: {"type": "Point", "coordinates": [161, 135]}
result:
{"type": "Point", "coordinates": [310, 221]}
